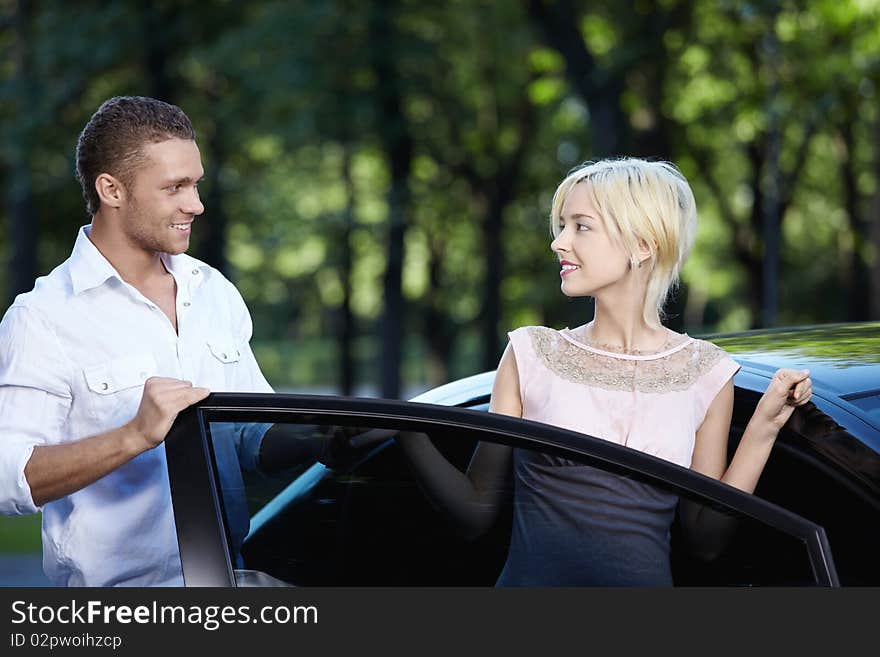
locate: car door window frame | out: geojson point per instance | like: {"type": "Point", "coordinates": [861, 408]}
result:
{"type": "Point", "coordinates": [202, 537]}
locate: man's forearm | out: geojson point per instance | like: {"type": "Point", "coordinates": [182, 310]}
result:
{"type": "Point", "coordinates": [54, 471]}
{"type": "Point", "coordinates": [288, 445]}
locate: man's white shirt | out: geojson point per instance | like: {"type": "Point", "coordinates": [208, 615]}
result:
{"type": "Point", "coordinates": [74, 355]}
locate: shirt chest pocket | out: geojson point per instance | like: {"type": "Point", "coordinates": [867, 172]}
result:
{"type": "Point", "coordinates": [224, 350]}
{"type": "Point", "coordinates": [120, 374]}
{"type": "Point", "coordinates": [222, 363]}
{"type": "Point", "coordinates": [115, 387]}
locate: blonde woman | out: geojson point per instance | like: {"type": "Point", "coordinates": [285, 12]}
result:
{"type": "Point", "coordinates": [622, 230]}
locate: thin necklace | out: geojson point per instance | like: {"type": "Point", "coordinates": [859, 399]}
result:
{"type": "Point", "coordinates": [604, 346]}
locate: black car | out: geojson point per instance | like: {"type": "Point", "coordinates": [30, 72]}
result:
{"type": "Point", "coordinates": [365, 521]}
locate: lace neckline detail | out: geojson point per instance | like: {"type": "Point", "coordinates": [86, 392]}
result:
{"type": "Point", "coordinates": [670, 370]}
{"type": "Point", "coordinates": [673, 344]}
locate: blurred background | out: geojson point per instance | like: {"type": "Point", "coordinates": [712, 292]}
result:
{"type": "Point", "coordinates": [379, 172]}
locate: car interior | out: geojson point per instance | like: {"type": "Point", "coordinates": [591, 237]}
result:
{"type": "Point", "coordinates": [369, 523]}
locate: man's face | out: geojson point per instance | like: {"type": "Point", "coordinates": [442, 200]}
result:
{"type": "Point", "coordinates": [163, 197]}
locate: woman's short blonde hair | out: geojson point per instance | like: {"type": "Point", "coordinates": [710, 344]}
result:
{"type": "Point", "coordinates": [640, 202]}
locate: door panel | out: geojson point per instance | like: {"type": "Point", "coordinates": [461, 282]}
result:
{"type": "Point", "coordinates": [820, 471]}
{"type": "Point", "coordinates": [569, 520]}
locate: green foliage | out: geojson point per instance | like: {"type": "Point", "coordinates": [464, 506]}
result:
{"type": "Point", "coordinates": [838, 346]}
{"type": "Point", "coordinates": [288, 111]}
{"type": "Point", "coordinates": [20, 534]}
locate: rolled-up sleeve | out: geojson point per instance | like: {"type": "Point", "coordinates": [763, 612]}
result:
{"type": "Point", "coordinates": [34, 401]}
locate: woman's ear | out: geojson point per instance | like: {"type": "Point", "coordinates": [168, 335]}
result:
{"type": "Point", "coordinates": [110, 190]}
{"type": "Point", "coordinates": [645, 252]}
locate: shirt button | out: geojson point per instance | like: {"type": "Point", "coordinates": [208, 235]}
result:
{"type": "Point", "coordinates": [104, 386]}
{"type": "Point", "coordinates": [186, 304]}
{"type": "Point", "coordinates": [223, 356]}
{"type": "Point", "coordinates": [143, 375]}
{"type": "Point", "coordinates": [195, 272]}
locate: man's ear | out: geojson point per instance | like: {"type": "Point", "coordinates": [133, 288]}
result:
{"type": "Point", "coordinates": [110, 190]}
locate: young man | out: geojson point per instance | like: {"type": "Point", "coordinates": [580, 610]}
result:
{"type": "Point", "coordinates": [97, 360]}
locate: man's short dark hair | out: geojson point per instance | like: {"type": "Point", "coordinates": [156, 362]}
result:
{"type": "Point", "coordinates": [113, 139]}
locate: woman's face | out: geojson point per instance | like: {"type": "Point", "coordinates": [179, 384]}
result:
{"type": "Point", "coordinates": [590, 260]}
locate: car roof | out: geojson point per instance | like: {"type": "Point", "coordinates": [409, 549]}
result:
{"type": "Point", "coordinates": [842, 358]}
{"type": "Point", "coordinates": [461, 391]}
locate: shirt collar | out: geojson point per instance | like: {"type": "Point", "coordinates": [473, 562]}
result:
{"type": "Point", "coordinates": [90, 269]}
{"type": "Point", "coordinates": [182, 266]}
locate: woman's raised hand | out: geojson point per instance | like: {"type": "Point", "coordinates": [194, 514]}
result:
{"type": "Point", "coordinates": [788, 390]}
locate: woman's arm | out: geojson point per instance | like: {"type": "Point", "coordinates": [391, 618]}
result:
{"type": "Point", "coordinates": [472, 500]}
{"type": "Point", "coordinates": [788, 390]}
{"type": "Point", "coordinates": [708, 530]}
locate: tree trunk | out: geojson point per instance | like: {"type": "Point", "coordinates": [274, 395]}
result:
{"type": "Point", "coordinates": [676, 306]}
{"type": "Point", "coordinates": [438, 332]}
{"type": "Point", "coordinates": [156, 22]}
{"type": "Point", "coordinates": [346, 319]}
{"type": "Point", "coordinates": [22, 229]}
{"type": "Point", "coordinates": [22, 220]}
{"type": "Point", "coordinates": [600, 91]}
{"type": "Point", "coordinates": [656, 140]}
{"type": "Point", "coordinates": [752, 256]}
{"type": "Point", "coordinates": [398, 147]}
{"type": "Point", "coordinates": [771, 185]}
{"type": "Point", "coordinates": [492, 230]}
{"type": "Point", "coordinates": [213, 225]}
{"type": "Point", "coordinates": [875, 228]}
{"type": "Point", "coordinates": [857, 274]}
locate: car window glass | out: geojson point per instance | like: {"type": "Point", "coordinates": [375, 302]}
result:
{"type": "Point", "coordinates": [557, 521]}
{"type": "Point", "coordinates": [822, 472]}
{"type": "Point", "coordinates": [869, 403]}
